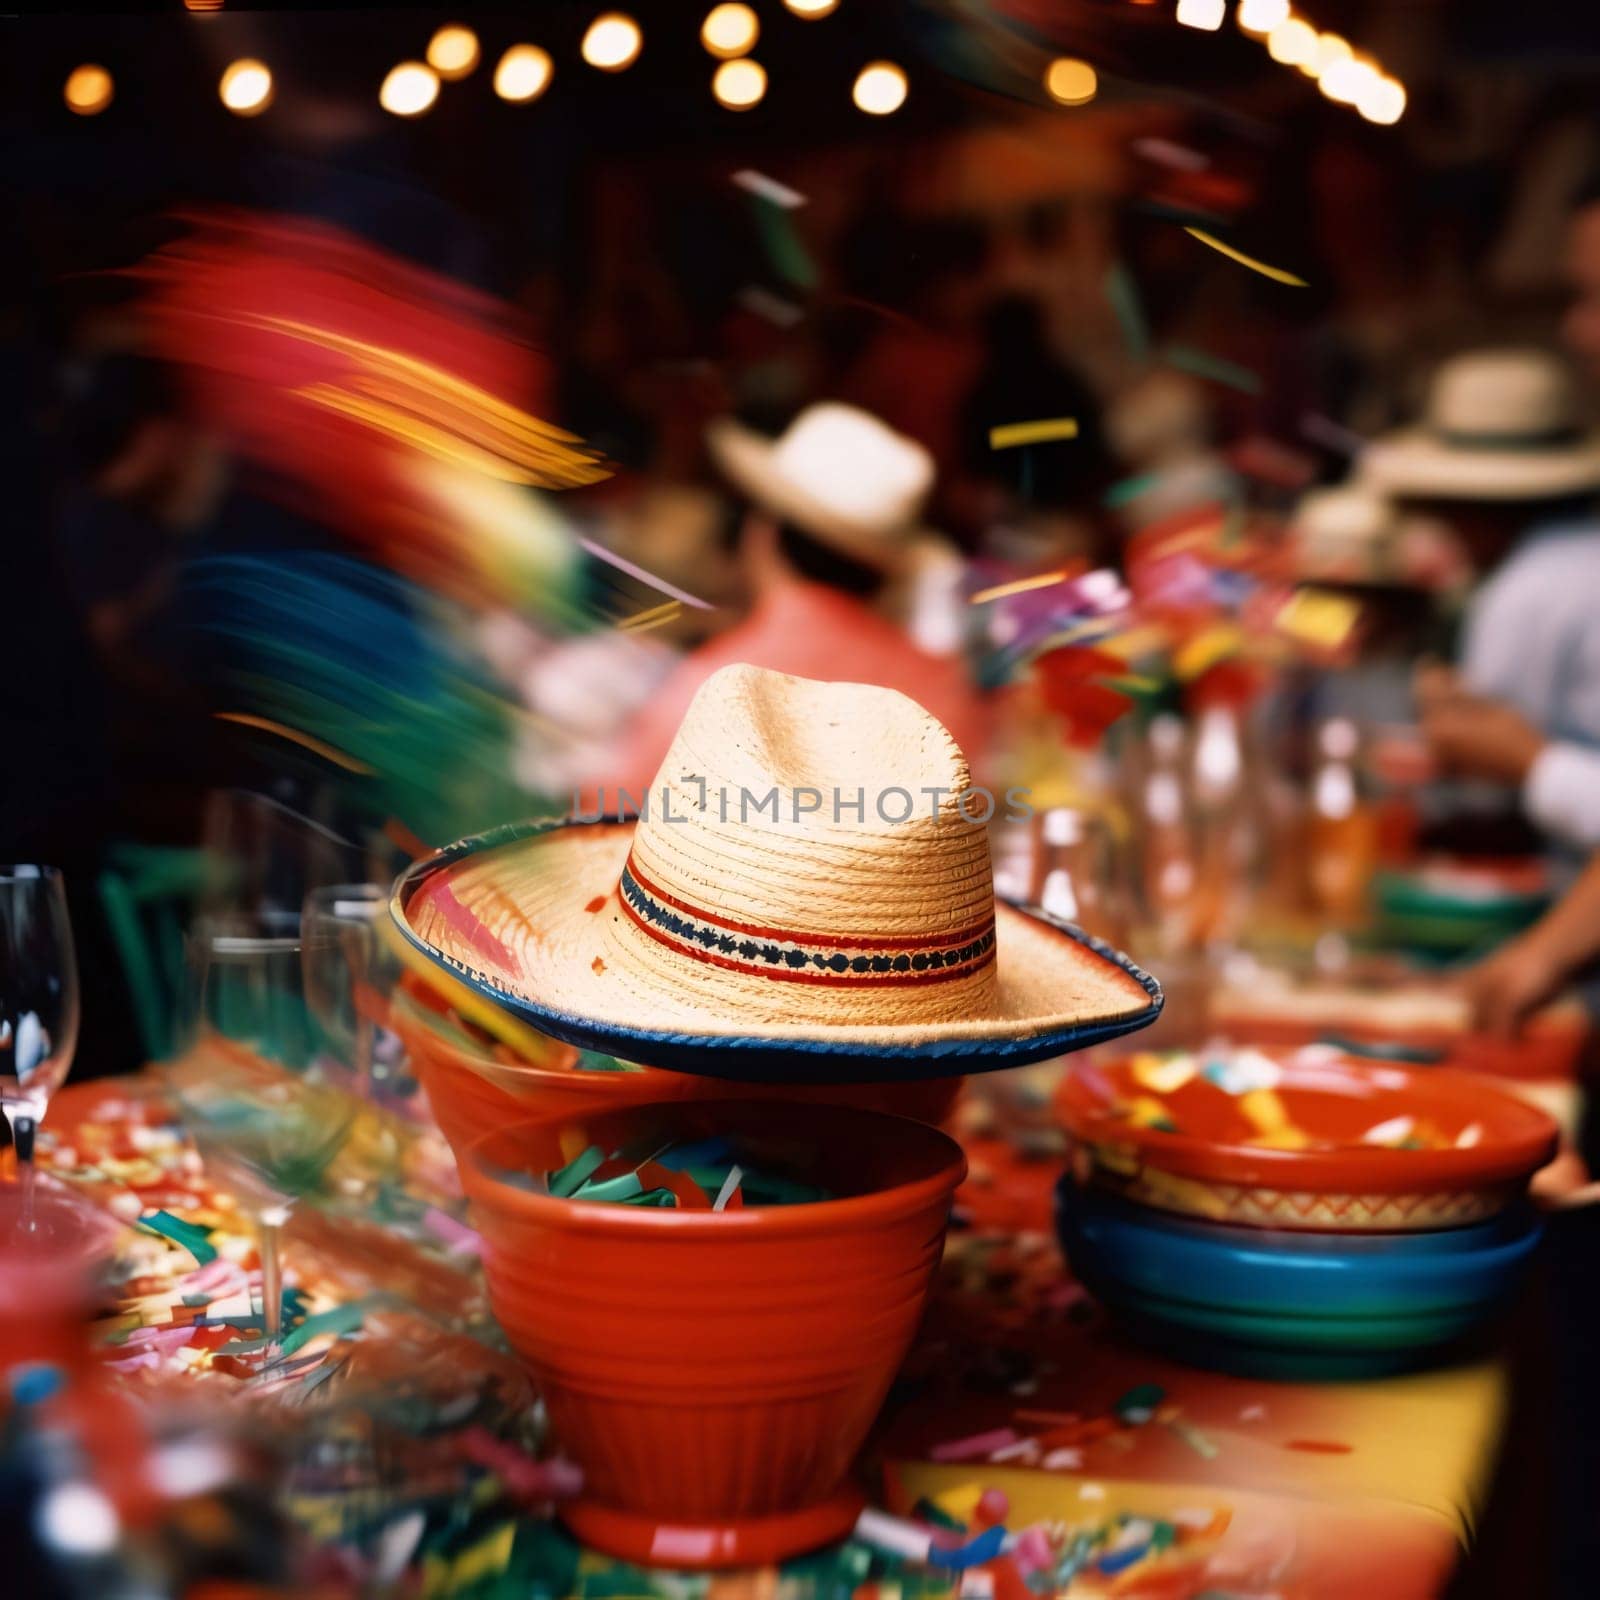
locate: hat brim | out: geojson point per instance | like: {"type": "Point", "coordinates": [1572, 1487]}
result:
{"type": "Point", "coordinates": [1057, 988]}
{"type": "Point", "coordinates": [1417, 463]}
{"type": "Point", "coordinates": [749, 460]}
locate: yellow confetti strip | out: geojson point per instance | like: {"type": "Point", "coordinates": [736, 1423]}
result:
{"type": "Point", "coordinates": [1161, 1074]}
{"type": "Point", "coordinates": [1012, 434]}
{"type": "Point", "coordinates": [656, 617]}
{"type": "Point", "coordinates": [1206, 649]}
{"type": "Point", "coordinates": [1043, 581]}
{"type": "Point", "coordinates": [1277, 274]}
{"type": "Point", "coordinates": [1318, 617]}
{"type": "Point", "coordinates": [305, 740]}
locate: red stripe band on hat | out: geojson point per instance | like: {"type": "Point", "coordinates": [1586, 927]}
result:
{"type": "Point", "coordinates": [805, 958]}
{"type": "Point", "coordinates": [841, 941]}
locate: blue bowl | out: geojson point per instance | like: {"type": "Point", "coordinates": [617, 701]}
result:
{"type": "Point", "coordinates": [1281, 1304]}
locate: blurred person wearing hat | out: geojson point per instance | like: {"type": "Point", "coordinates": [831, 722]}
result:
{"type": "Point", "coordinates": [1504, 455]}
{"type": "Point", "coordinates": [832, 522]}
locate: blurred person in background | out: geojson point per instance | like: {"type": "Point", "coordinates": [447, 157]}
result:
{"type": "Point", "coordinates": [1502, 455]}
{"type": "Point", "coordinates": [1039, 503]}
{"type": "Point", "coordinates": [832, 518]}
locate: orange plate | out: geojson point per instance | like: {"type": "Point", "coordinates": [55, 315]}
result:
{"type": "Point", "coordinates": [1208, 1168]}
{"type": "Point", "coordinates": [715, 1372]}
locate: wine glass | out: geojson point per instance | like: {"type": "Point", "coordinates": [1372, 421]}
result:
{"type": "Point", "coordinates": [250, 1085]}
{"type": "Point", "coordinates": [349, 973]}
{"type": "Point", "coordinates": [38, 1006]}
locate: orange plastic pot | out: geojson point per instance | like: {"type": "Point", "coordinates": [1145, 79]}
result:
{"type": "Point", "coordinates": [476, 1087]}
{"type": "Point", "coordinates": [714, 1373]}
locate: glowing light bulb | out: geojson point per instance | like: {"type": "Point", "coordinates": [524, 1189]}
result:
{"type": "Point", "coordinates": [740, 84]}
{"type": "Point", "coordinates": [1330, 48]}
{"type": "Point", "coordinates": [1206, 14]}
{"type": "Point", "coordinates": [729, 30]}
{"type": "Point", "coordinates": [1262, 16]}
{"type": "Point", "coordinates": [812, 9]}
{"type": "Point", "coordinates": [613, 42]}
{"type": "Point", "coordinates": [523, 74]}
{"type": "Point", "coordinates": [88, 90]}
{"type": "Point", "coordinates": [1069, 82]}
{"type": "Point", "coordinates": [409, 89]}
{"type": "Point", "coordinates": [880, 89]}
{"type": "Point", "coordinates": [1384, 101]}
{"type": "Point", "coordinates": [246, 87]}
{"type": "Point", "coordinates": [1293, 42]}
{"type": "Point", "coordinates": [453, 51]}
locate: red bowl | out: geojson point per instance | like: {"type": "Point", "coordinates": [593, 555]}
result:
{"type": "Point", "coordinates": [1206, 1164]}
{"type": "Point", "coordinates": [714, 1372]}
{"type": "Point", "coordinates": [475, 1086]}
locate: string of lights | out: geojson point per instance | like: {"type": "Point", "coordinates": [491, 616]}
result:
{"type": "Point", "coordinates": [730, 31]}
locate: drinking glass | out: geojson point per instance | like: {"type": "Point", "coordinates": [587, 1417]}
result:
{"type": "Point", "coordinates": [349, 973]}
{"type": "Point", "coordinates": [249, 1085]}
{"type": "Point", "coordinates": [38, 1006]}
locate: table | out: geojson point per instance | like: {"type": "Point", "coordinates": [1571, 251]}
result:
{"type": "Point", "coordinates": [1017, 1385]}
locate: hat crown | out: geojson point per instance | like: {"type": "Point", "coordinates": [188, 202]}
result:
{"type": "Point", "coordinates": [1502, 395]}
{"type": "Point", "coordinates": [814, 833]}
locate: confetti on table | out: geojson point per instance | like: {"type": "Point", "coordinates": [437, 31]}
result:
{"type": "Point", "coordinates": [1011, 434]}
{"type": "Point", "coordinates": [1196, 1441]}
{"type": "Point", "coordinates": [1277, 274]}
{"type": "Point", "coordinates": [1321, 1447]}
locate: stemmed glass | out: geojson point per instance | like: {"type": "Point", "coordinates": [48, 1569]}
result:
{"type": "Point", "coordinates": [38, 1006]}
{"type": "Point", "coordinates": [249, 1086]}
{"type": "Point", "coordinates": [349, 973]}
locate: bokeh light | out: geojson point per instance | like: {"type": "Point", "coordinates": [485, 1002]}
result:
{"type": "Point", "coordinates": [1207, 14]}
{"type": "Point", "coordinates": [1330, 48]}
{"type": "Point", "coordinates": [88, 90]}
{"type": "Point", "coordinates": [409, 89]}
{"type": "Point", "coordinates": [523, 73]}
{"type": "Point", "coordinates": [246, 87]}
{"type": "Point", "coordinates": [1293, 42]}
{"type": "Point", "coordinates": [812, 9]}
{"type": "Point", "coordinates": [1382, 101]}
{"type": "Point", "coordinates": [730, 30]}
{"type": "Point", "coordinates": [613, 42]}
{"type": "Point", "coordinates": [1348, 80]}
{"type": "Point", "coordinates": [880, 89]}
{"type": "Point", "coordinates": [1262, 16]}
{"type": "Point", "coordinates": [1070, 82]}
{"type": "Point", "coordinates": [453, 51]}
{"type": "Point", "coordinates": [740, 84]}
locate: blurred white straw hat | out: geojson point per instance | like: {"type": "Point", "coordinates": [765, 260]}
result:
{"type": "Point", "coordinates": [836, 472]}
{"type": "Point", "coordinates": [1498, 425]}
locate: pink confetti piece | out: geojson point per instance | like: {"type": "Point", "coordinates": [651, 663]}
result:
{"type": "Point", "coordinates": [163, 1340]}
{"type": "Point", "coordinates": [139, 1363]}
{"type": "Point", "coordinates": [462, 1240]}
{"type": "Point", "coordinates": [975, 1445]}
{"type": "Point", "coordinates": [611, 558]}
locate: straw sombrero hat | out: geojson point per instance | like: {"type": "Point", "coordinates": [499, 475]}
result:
{"type": "Point", "coordinates": [837, 472]}
{"type": "Point", "coordinates": [1498, 425]}
{"type": "Point", "coordinates": [736, 935]}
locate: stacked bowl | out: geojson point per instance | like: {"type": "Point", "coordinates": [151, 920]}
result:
{"type": "Point", "coordinates": [1314, 1216]}
{"type": "Point", "coordinates": [477, 1084]}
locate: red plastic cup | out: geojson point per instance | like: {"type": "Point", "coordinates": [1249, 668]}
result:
{"type": "Point", "coordinates": [715, 1372]}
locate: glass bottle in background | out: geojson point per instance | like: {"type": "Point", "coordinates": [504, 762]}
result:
{"type": "Point", "coordinates": [1164, 840]}
{"type": "Point", "coordinates": [1342, 826]}
{"type": "Point", "coordinates": [38, 1006]}
{"type": "Point", "coordinates": [1227, 826]}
